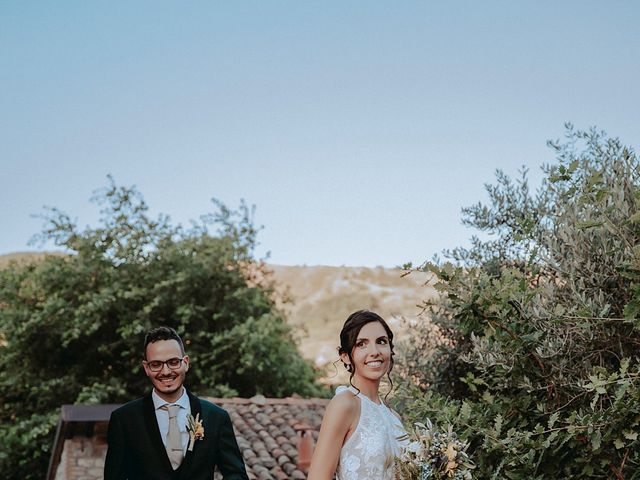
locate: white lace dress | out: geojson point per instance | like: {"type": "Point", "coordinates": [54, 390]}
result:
{"type": "Point", "coordinates": [369, 452]}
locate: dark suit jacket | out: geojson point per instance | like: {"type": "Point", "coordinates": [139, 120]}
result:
{"type": "Point", "coordinates": [136, 451]}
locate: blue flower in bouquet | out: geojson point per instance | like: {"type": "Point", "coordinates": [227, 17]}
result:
{"type": "Point", "coordinates": [426, 472]}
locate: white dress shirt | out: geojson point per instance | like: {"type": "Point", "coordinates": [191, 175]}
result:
{"type": "Point", "coordinates": [162, 416]}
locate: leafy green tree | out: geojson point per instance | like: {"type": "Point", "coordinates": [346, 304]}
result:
{"type": "Point", "coordinates": [74, 324]}
{"type": "Point", "coordinates": [540, 325]}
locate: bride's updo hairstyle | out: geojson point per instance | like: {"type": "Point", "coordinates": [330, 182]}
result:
{"type": "Point", "coordinates": [349, 335]}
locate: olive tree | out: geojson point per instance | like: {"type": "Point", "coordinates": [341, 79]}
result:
{"type": "Point", "coordinates": [536, 361]}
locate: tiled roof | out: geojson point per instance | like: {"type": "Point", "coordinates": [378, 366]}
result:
{"type": "Point", "coordinates": [266, 433]}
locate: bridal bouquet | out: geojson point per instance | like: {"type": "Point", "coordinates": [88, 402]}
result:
{"type": "Point", "coordinates": [433, 455]}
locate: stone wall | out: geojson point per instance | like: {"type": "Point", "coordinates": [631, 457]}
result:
{"type": "Point", "coordinates": [82, 458]}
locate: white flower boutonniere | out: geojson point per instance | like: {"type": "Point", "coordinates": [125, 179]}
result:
{"type": "Point", "coordinates": [195, 429]}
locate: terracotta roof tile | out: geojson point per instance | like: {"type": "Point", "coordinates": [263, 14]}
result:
{"type": "Point", "coordinates": [266, 433]}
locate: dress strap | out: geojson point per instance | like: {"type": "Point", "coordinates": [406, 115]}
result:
{"type": "Point", "coordinates": [343, 388]}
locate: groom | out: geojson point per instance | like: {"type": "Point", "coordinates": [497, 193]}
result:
{"type": "Point", "coordinates": [170, 434]}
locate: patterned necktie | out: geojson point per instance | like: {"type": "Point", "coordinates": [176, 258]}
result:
{"type": "Point", "coordinates": [174, 439]}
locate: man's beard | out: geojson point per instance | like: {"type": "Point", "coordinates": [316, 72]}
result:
{"type": "Point", "coordinates": [177, 379]}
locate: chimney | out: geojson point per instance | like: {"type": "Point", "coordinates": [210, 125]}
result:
{"type": "Point", "coordinates": [305, 445]}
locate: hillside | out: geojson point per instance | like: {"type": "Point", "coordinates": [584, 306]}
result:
{"type": "Point", "coordinates": [22, 257]}
{"type": "Point", "coordinates": [323, 297]}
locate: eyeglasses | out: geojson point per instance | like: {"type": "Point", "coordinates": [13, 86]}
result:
{"type": "Point", "coordinates": [172, 363]}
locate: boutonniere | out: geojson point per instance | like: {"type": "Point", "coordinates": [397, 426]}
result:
{"type": "Point", "coordinates": [195, 429]}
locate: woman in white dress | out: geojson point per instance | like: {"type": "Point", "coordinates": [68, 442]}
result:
{"type": "Point", "coordinates": [359, 437]}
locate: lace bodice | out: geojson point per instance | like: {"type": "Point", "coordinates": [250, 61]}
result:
{"type": "Point", "coordinates": [369, 452]}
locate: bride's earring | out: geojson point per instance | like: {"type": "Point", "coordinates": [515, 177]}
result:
{"type": "Point", "coordinates": [348, 366]}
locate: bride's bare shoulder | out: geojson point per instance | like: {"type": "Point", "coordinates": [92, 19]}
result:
{"type": "Point", "coordinates": [344, 404]}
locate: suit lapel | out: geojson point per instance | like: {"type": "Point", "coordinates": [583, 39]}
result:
{"type": "Point", "coordinates": [194, 401]}
{"type": "Point", "coordinates": [154, 431]}
{"type": "Point", "coordinates": [196, 409]}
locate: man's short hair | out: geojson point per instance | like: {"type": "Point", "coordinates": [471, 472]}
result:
{"type": "Point", "coordinates": [162, 333]}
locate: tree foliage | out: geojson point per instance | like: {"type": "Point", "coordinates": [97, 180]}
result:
{"type": "Point", "coordinates": [74, 324]}
{"type": "Point", "coordinates": [536, 350]}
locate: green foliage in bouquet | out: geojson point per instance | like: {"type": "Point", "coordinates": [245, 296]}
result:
{"type": "Point", "coordinates": [431, 454]}
{"type": "Point", "coordinates": [72, 326]}
{"type": "Point", "coordinates": [533, 351]}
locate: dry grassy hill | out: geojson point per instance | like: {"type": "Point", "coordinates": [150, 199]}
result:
{"type": "Point", "coordinates": [22, 257]}
{"type": "Point", "coordinates": [323, 297]}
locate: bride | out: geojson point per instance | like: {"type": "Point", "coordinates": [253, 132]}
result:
{"type": "Point", "coordinates": [359, 434]}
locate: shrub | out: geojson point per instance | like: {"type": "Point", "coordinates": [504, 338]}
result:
{"type": "Point", "coordinates": [541, 322]}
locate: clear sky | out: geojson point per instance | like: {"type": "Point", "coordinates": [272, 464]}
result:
{"type": "Point", "coordinates": [358, 129]}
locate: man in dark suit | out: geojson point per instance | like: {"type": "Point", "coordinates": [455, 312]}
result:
{"type": "Point", "coordinates": [170, 434]}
